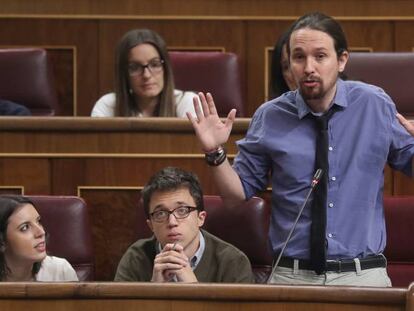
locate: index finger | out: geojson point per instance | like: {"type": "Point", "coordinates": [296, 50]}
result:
{"type": "Point", "coordinates": [176, 247]}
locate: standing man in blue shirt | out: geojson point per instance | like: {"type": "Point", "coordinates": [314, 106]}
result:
{"type": "Point", "coordinates": [364, 135]}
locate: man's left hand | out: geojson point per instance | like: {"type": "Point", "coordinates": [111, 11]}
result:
{"type": "Point", "coordinates": [407, 124]}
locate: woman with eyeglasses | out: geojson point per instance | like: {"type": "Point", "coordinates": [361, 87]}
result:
{"type": "Point", "coordinates": [144, 83]}
{"type": "Point", "coordinates": [23, 244]}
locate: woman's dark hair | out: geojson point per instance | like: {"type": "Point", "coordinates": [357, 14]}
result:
{"type": "Point", "coordinates": [278, 85]}
{"type": "Point", "coordinates": [8, 205]}
{"type": "Point", "coordinates": [169, 179]}
{"type": "Point", "coordinates": [324, 23]}
{"type": "Point", "coordinates": [125, 101]}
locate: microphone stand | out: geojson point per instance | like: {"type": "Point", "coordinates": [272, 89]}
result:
{"type": "Point", "coordinates": [315, 180]}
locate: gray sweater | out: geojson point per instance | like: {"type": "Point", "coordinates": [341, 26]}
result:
{"type": "Point", "coordinates": [221, 262]}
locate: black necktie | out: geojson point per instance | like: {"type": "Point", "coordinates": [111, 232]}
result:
{"type": "Point", "coordinates": [318, 227]}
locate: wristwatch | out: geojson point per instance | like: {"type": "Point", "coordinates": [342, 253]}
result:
{"type": "Point", "coordinates": [216, 157]}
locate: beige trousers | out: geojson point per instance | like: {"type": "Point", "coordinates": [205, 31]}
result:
{"type": "Point", "coordinates": [376, 277]}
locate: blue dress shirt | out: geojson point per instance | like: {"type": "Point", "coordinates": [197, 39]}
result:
{"type": "Point", "coordinates": [364, 135]}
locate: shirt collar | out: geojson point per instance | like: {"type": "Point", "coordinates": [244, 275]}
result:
{"type": "Point", "coordinates": [340, 99]}
{"type": "Point", "coordinates": [194, 261]}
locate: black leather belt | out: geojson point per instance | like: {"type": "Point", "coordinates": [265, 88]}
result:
{"type": "Point", "coordinates": [347, 265]}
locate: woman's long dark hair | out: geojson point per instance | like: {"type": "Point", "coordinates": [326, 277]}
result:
{"type": "Point", "coordinates": [125, 101]}
{"type": "Point", "coordinates": [278, 85]}
{"type": "Point", "coordinates": [8, 205]}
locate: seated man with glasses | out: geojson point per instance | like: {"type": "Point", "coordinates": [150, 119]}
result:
{"type": "Point", "coordinates": [180, 251]}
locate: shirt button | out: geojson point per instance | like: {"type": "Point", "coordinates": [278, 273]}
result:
{"type": "Point", "coordinates": [330, 148]}
{"type": "Point", "coordinates": [333, 178]}
{"type": "Point", "coordinates": [331, 205]}
{"type": "Point", "coordinates": [330, 235]}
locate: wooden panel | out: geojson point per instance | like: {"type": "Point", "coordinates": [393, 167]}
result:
{"type": "Point", "coordinates": [80, 136]}
{"type": "Point", "coordinates": [376, 36]}
{"type": "Point", "coordinates": [33, 175]}
{"type": "Point", "coordinates": [60, 32]}
{"type": "Point", "coordinates": [211, 7]}
{"type": "Point", "coordinates": [113, 214]}
{"type": "Point", "coordinates": [403, 185]}
{"type": "Point", "coordinates": [404, 40]}
{"type": "Point", "coordinates": [15, 190]}
{"type": "Point", "coordinates": [97, 143]}
{"type": "Point", "coordinates": [121, 172]}
{"type": "Point", "coordinates": [260, 36]}
{"type": "Point", "coordinates": [62, 60]}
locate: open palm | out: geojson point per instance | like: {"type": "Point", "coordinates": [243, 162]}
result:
{"type": "Point", "coordinates": [211, 131]}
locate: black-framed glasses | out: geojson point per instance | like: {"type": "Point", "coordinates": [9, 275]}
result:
{"type": "Point", "coordinates": [179, 213]}
{"type": "Point", "coordinates": [154, 66]}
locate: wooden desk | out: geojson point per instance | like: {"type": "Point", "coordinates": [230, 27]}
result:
{"type": "Point", "coordinates": [181, 297]}
{"type": "Point", "coordinates": [109, 152]}
{"type": "Point", "coordinates": [66, 154]}
{"type": "Point", "coordinates": [117, 136]}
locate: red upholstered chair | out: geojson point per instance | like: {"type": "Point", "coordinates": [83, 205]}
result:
{"type": "Point", "coordinates": [246, 227]}
{"type": "Point", "coordinates": [399, 218]}
{"type": "Point", "coordinates": [26, 79]}
{"type": "Point", "coordinates": [214, 72]}
{"type": "Point", "coordinates": [66, 220]}
{"type": "Point", "coordinates": [391, 71]}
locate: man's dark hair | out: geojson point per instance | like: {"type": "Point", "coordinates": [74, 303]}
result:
{"type": "Point", "coordinates": [170, 179]}
{"type": "Point", "coordinates": [324, 23]}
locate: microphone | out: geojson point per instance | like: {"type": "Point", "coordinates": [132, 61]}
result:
{"type": "Point", "coordinates": [315, 180]}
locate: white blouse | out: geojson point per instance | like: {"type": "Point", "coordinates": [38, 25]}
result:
{"type": "Point", "coordinates": [55, 269]}
{"type": "Point", "coordinates": [105, 106]}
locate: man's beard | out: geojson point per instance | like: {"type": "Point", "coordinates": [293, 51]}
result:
{"type": "Point", "coordinates": [311, 94]}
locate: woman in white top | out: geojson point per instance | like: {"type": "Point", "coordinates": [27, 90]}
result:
{"type": "Point", "coordinates": [144, 83]}
{"type": "Point", "coordinates": [23, 245]}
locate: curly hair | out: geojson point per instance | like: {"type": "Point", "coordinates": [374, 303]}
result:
{"type": "Point", "coordinates": [172, 178]}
